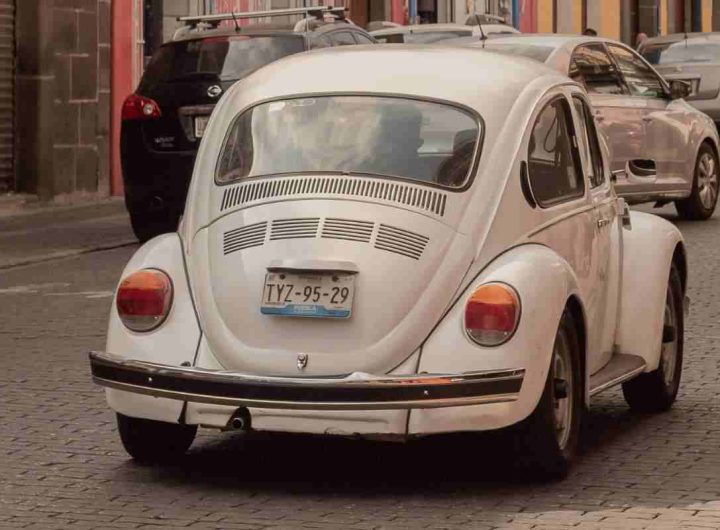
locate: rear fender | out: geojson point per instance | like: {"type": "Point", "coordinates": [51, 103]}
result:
{"type": "Point", "coordinates": [544, 282]}
{"type": "Point", "coordinates": [175, 342]}
{"type": "Point", "coordinates": [648, 249]}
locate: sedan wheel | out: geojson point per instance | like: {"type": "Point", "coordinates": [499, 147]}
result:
{"type": "Point", "coordinates": [703, 197]}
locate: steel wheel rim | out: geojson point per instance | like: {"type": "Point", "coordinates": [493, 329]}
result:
{"type": "Point", "coordinates": [707, 180]}
{"type": "Point", "coordinates": [668, 354]}
{"type": "Point", "coordinates": [562, 406]}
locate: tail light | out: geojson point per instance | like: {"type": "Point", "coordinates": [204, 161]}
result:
{"type": "Point", "coordinates": [492, 314]}
{"type": "Point", "coordinates": [140, 108]}
{"type": "Point", "coordinates": [143, 299]}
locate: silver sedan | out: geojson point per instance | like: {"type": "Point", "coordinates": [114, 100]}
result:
{"type": "Point", "coordinates": [662, 148]}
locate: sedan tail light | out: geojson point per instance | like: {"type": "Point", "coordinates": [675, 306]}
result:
{"type": "Point", "coordinates": [143, 299]}
{"type": "Point", "coordinates": [140, 108]}
{"type": "Point", "coordinates": [492, 314]}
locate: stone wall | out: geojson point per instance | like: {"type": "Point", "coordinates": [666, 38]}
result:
{"type": "Point", "coordinates": [63, 96]}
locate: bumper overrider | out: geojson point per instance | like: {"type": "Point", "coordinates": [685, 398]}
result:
{"type": "Point", "coordinates": [357, 391]}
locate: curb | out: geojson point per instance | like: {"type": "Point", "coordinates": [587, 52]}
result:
{"type": "Point", "coordinates": [52, 213]}
{"type": "Point", "coordinates": [65, 254]}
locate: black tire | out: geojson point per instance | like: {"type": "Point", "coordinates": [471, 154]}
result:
{"type": "Point", "coordinates": [540, 447]}
{"type": "Point", "coordinates": [149, 441]}
{"type": "Point", "coordinates": [656, 391]}
{"type": "Point", "coordinates": [146, 226]}
{"type": "Point", "coordinates": [700, 205]}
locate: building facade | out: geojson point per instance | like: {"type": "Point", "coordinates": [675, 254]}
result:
{"type": "Point", "coordinates": [66, 66]}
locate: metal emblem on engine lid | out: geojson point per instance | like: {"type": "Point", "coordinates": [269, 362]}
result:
{"type": "Point", "coordinates": [214, 91]}
{"type": "Point", "coordinates": [302, 360]}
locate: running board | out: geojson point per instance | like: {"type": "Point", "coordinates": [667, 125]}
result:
{"type": "Point", "coordinates": [621, 367]}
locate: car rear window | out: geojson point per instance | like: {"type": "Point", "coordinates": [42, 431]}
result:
{"type": "Point", "coordinates": [394, 137]}
{"type": "Point", "coordinates": [682, 52]}
{"type": "Point", "coordinates": [538, 53]}
{"type": "Point", "coordinates": [422, 37]}
{"type": "Point", "coordinates": [226, 58]}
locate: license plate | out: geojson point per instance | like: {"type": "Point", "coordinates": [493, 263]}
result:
{"type": "Point", "coordinates": [328, 295]}
{"type": "Point", "coordinates": [200, 125]}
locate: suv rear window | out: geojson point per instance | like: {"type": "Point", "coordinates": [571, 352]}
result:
{"type": "Point", "coordinates": [217, 58]}
{"type": "Point", "coordinates": [358, 135]}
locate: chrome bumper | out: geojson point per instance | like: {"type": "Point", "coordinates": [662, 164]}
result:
{"type": "Point", "coordinates": [357, 391]}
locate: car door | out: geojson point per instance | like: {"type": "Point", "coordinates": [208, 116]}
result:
{"type": "Point", "coordinates": [607, 237]}
{"type": "Point", "coordinates": [666, 122]}
{"type": "Point", "coordinates": [617, 114]}
{"type": "Point", "coordinates": [559, 186]}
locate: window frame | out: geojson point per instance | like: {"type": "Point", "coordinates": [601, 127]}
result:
{"type": "Point", "coordinates": [472, 173]}
{"type": "Point", "coordinates": [621, 78]}
{"type": "Point", "coordinates": [574, 154]}
{"type": "Point", "coordinates": [660, 79]}
{"type": "Point", "coordinates": [587, 122]}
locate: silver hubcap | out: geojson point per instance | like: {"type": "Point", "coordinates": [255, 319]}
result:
{"type": "Point", "coordinates": [668, 355]}
{"type": "Point", "coordinates": [707, 180]}
{"type": "Point", "coordinates": [562, 406]}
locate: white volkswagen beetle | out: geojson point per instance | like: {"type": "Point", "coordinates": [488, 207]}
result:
{"type": "Point", "coordinates": [396, 241]}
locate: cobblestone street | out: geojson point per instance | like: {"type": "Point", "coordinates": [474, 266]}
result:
{"type": "Point", "coordinates": [63, 466]}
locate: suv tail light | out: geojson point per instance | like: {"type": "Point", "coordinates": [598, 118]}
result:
{"type": "Point", "coordinates": [492, 314]}
{"type": "Point", "coordinates": [143, 299]}
{"type": "Point", "coordinates": [140, 108]}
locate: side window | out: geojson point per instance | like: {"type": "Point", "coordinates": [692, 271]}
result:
{"type": "Point", "coordinates": [320, 42]}
{"type": "Point", "coordinates": [553, 165]}
{"type": "Point", "coordinates": [362, 39]}
{"type": "Point", "coordinates": [640, 78]}
{"type": "Point", "coordinates": [590, 143]}
{"type": "Point", "coordinates": [342, 38]}
{"type": "Point", "coordinates": [592, 67]}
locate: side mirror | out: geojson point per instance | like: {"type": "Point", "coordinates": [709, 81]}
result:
{"type": "Point", "coordinates": [679, 89]}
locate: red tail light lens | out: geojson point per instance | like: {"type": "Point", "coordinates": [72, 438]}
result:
{"type": "Point", "coordinates": [492, 314]}
{"type": "Point", "coordinates": [140, 108]}
{"type": "Point", "coordinates": [143, 299]}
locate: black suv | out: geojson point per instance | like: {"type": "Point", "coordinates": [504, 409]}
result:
{"type": "Point", "coordinates": [163, 121]}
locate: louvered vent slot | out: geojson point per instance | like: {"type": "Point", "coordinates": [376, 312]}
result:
{"type": "Point", "coordinates": [419, 197]}
{"type": "Point", "coordinates": [244, 237]}
{"type": "Point", "coordinates": [400, 241]}
{"type": "Point", "coordinates": [348, 229]}
{"type": "Point", "coordinates": [294, 228]}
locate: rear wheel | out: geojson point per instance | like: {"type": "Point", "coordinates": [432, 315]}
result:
{"type": "Point", "coordinates": [656, 391]}
{"type": "Point", "coordinates": [149, 441]}
{"type": "Point", "coordinates": [546, 442]}
{"type": "Point", "coordinates": [700, 205]}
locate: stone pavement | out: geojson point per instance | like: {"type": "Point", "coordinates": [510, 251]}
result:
{"type": "Point", "coordinates": [62, 466]}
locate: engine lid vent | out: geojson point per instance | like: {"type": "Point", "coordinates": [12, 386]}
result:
{"type": "Point", "coordinates": [348, 229]}
{"type": "Point", "coordinates": [269, 189]}
{"type": "Point", "coordinates": [244, 237]}
{"type": "Point", "coordinates": [401, 241]}
{"type": "Point", "coordinates": [294, 228]}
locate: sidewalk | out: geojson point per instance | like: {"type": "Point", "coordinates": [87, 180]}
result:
{"type": "Point", "coordinates": [44, 232]}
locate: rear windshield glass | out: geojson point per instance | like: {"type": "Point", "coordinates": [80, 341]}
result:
{"type": "Point", "coordinates": [538, 53]}
{"type": "Point", "coordinates": [359, 135]}
{"type": "Point", "coordinates": [423, 37]}
{"type": "Point", "coordinates": [680, 52]}
{"type": "Point", "coordinates": [218, 58]}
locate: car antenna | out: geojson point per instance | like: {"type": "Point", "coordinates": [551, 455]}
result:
{"type": "Point", "coordinates": [483, 37]}
{"type": "Point", "coordinates": [237, 25]}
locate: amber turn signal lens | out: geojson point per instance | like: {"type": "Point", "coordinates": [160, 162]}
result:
{"type": "Point", "coordinates": [492, 313]}
{"type": "Point", "coordinates": [143, 299]}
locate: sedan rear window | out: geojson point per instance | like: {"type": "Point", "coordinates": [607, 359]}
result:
{"type": "Point", "coordinates": [217, 58]}
{"type": "Point", "coordinates": [423, 141]}
{"type": "Point", "coordinates": [683, 52]}
{"type": "Point", "coordinates": [537, 53]}
{"type": "Point", "coordinates": [422, 37]}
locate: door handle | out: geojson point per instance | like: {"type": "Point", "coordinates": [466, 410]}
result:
{"type": "Point", "coordinates": [603, 222]}
{"type": "Point", "coordinates": [599, 118]}
{"type": "Point", "coordinates": [647, 119]}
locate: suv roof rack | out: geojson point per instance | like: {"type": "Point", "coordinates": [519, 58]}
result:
{"type": "Point", "coordinates": [216, 19]}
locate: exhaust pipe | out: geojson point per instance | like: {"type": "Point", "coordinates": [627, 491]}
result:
{"type": "Point", "coordinates": [240, 420]}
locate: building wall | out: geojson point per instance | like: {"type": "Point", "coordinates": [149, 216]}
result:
{"type": "Point", "coordinates": [63, 96]}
